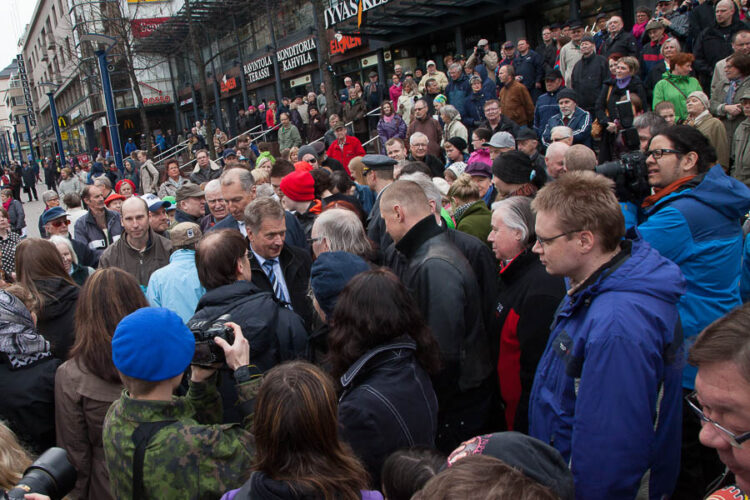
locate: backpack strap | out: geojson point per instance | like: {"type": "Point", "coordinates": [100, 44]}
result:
{"type": "Point", "coordinates": [141, 437]}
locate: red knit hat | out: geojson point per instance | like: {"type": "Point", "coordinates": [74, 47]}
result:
{"type": "Point", "coordinates": [298, 186]}
{"type": "Point", "coordinates": [303, 166]}
{"type": "Point", "coordinates": [120, 182]}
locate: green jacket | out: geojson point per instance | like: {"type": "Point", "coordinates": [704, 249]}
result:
{"type": "Point", "coordinates": [476, 221]}
{"type": "Point", "coordinates": [665, 91]}
{"type": "Point", "coordinates": [289, 137]}
{"type": "Point", "coordinates": [193, 458]}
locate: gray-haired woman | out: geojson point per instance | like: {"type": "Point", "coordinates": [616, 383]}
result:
{"type": "Point", "coordinates": [527, 299]}
{"type": "Point", "coordinates": [453, 126]}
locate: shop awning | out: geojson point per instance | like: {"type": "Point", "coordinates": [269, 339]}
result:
{"type": "Point", "coordinates": [397, 20]}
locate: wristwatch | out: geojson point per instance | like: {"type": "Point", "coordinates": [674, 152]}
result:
{"type": "Point", "coordinates": [245, 373]}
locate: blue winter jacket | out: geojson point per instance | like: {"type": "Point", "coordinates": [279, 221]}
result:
{"type": "Point", "coordinates": [745, 281]}
{"type": "Point", "coordinates": [580, 122]}
{"type": "Point", "coordinates": [458, 92]}
{"type": "Point", "coordinates": [607, 391]}
{"type": "Point", "coordinates": [176, 286]}
{"type": "Point", "coordinates": [546, 108]}
{"type": "Point", "coordinates": [698, 228]}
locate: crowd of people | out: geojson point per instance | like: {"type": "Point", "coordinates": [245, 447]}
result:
{"type": "Point", "coordinates": [486, 310]}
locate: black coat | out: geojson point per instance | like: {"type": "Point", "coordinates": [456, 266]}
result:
{"type": "Point", "coordinates": [505, 125]}
{"type": "Point", "coordinates": [712, 45]}
{"type": "Point", "coordinates": [605, 103]}
{"type": "Point", "coordinates": [589, 74]}
{"type": "Point", "coordinates": [448, 295]}
{"type": "Point", "coordinates": [437, 167]}
{"type": "Point", "coordinates": [623, 43]}
{"type": "Point", "coordinates": [55, 319]}
{"type": "Point", "coordinates": [526, 303]}
{"type": "Point", "coordinates": [376, 226]}
{"type": "Point", "coordinates": [295, 264]}
{"type": "Point", "coordinates": [549, 54]}
{"type": "Point", "coordinates": [275, 333]}
{"type": "Point", "coordinates": [387, 404]}
{"type": "Point", "coordinates": [28, 405]}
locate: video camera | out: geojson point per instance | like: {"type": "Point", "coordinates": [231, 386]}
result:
{"type": "Point", "coordinates": [630, 172]}
{"type": "Point", "coordinates": [51, 474]}
{"type": "Point", "coordinates": [207, 352]}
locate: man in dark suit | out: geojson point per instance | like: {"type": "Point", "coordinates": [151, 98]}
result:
{"type": "Point", "coordinates": [378, 172]}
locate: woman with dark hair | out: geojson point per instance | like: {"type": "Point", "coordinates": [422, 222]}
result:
{"type": "Point", "coordinates": [9, 240]}
{"type": "Point", "coordinates": [40, 268]}
{"type": "Point", "coordinates": [527, 300]}
{"type": "Point", "coordinates": [480, 153]}
{"type": "Point", "coordinates": [383, 352]}
{"type": "Point", "coordinates": [316, 127]}
{"type": "Point", "coordinates": [299, 454]}
{"type": "Point", "coordinates": [725, 106]}
{"type": "Point", "coordinates": [88, 383]}
{"type": "Point", "coordinates": [391, 124]}
{"type": "Point", "coordinates": [614, 90]}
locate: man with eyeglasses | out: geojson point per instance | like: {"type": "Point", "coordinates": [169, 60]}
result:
{"type": "Point", "coordinates": [607, 390]}
{"type": "Point", "coordinates": [419, 145]}
{"type": "Point", "coordinates": [217, 206]}
{"type": "Point", "coordinates": [721, 400]}
{"type": "Point", "coordinates": [55, 223]}
{"type": "Point", "coordinates": [693, 219]}
{"type": "Point", "coordinates": [496, 121]}
{"type": "Point", "coordinates": [427, 125]}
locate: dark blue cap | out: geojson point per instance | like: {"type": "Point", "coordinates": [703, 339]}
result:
{"type": "Point", "coordinates": [330, 273]}
{"type": "Point", "coordinates": [152, 344]}
{"type": "Point", "coordinates": [228, 152]}
{"type": "Point", "coordinates": [52, 214]}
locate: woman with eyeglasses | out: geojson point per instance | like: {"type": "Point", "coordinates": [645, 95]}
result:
{"type": "Point", "coordinates": [726, 95]}
{"type": "Point", "coordinates": [40, 269]}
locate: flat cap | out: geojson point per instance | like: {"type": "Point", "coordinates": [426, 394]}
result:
{"type": "Point", "coordinates": [189, 190]}
{"type": "Point", "coordinates": [525, 134]}
{"type": "Point", "coordinates": [52, 214]}
{"type": "Point", "coordinates": [501, 140]}
{"type": "Point", "coordinates": [654, 24]}
{"type": "Point", "coordinates": [553, 74]}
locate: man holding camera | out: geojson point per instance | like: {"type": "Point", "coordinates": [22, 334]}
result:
{"type": "Point", "coordinates": [483, 55]}
{"type": "Point", "coordinates": [189, 455]}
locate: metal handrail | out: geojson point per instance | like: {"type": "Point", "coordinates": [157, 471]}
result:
{"type": "Point", "coordinates": [170, 149]}
{"type": "Point", "coordinates": [275, 127]}
{"type": "Point", "coordinates": [243, 133]}
{"type": "Point", "coordinates": [188, 163]}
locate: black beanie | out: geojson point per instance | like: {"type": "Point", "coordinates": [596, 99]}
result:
{"type": "Point", "coordinates": [567, 93]}
{"type": "Point", "coordinates": [458, 142]}
{"type": "Point", "coordinates": [513, 167]}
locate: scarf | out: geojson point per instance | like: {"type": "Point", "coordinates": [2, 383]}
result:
{"type": "Point", "coordinates": [663, 192]}
{"type": "Point", "coordinates": [20, 343]}
{"type": "Point", "coordinates": [459, 211]}
{"type": "Point", "coordinates": [731, 91]}
{"type": "Point", "coordinates": [6, 204]}
{"type": "Point", "coordinates": [639, 29]}
{"type": "Point", "coordinates": [623, 82]}
{"type": "Point", "coordinates": [388, 118]}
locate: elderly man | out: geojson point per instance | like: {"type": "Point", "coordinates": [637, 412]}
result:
{"type": "Point", "coordinates": [495, 120]}
{"type": "Point", "coordinates": [140, 251]}
{"type": "Point", "coordinates": [561, 133]}
{"type": "Point", "coordinates": [459, 88]}
{"type": "Point", "coordinates": [515, 99]}
{"type": "Point", "coordinates": [238, 189]}
{"type": "Point", "coordinates": [55, 222]}
{"type": "Point", "coordinates": [619, 41]}
{"type": "Point", "coordinates": [217, 206]}
{"type": "Point", "coordinates": [448, 295]}
{"type": "Point", "coordinates": [190, 204]}
{"type": "Point", "coordinates": [501, 142]}
{"type": "Point", "coordinates": [205, 168]}
{"type": "Point", "coordinates": [482, 54]}
{"type": "Point", "coordinates": [427, 125]}
{"type": "Point", "coordinates": [277, 267]}
{"type": "Point", "coordinates": [51, 199]}
{"type": "Point", "coordinates": [100, 227]}
{"type": "Point", "coordinates": [378, 173]}
{"type": "Point", "coordinates": [345, 147]}
{"type": "Point", "coordinates": [419, 145]}
{"type": "Point", "coordinates": [554, 160]}
{"type": "Point", "coordinates": [714, 43]}
{"type": "Point", "coordinates": [570, 53]}
{"type": "Point", "coordinates": [571, 116]}
{"type": "Point", "coordinates": [438, 76]}
{"type": "Point", "coordinates": [588, 75]}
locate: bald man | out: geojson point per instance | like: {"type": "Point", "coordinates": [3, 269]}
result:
{"type": "Point", "coordinates": [619, 40]}
{"type": "Point", "coordinates": [715, 42]}
{"type": "Point", "coordinates": [140, 251]}
{"type": "Point", "coordinates": [554, 160]}
{"type": "Point", "coordinates": [448, 295]}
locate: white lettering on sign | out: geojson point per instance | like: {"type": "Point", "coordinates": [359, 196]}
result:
{"type": "Point", "coordinates": [258, 69]}
{"type": "Point", "coordinates": [26, 90]}
{"type": "Point", "coordinates": [345, 9]}
{"type": "Point", "coordinates": [296, 55]}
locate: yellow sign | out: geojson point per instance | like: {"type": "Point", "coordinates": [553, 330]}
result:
{"type": "Point", "coordinates": [61, 121]}
{"type": "Point", "coordinates": [64, 136]}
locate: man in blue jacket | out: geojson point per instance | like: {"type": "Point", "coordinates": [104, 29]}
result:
{"type": "Point", "coordinates": [607, 390]}
{"type": "Point", "coordinates": [571, 116]}
{"type": "Point", "coordinates": [546, 105]}
{"type": "Point", "coordinates": [458, 89]}
{"type": "Point", "coordinates": [694, 221]}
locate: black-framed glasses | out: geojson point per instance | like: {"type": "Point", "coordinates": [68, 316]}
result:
{"type": "Point", "coordinates": [546, 241]}
{"type": "Point", "coordinates": [310, 241]}
{"type": "Point", "coordinates": [736, 440]}
{"type": "Point", "coordinates": [658, 153]}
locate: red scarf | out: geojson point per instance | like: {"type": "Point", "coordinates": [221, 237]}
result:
{"type": "Point", "coordinates": [6, 204]}
{"type": "Point", "coordinates": [663, 192]}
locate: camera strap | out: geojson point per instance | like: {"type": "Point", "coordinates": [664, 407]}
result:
{"type": "Point", "coordinates": [141, 437]}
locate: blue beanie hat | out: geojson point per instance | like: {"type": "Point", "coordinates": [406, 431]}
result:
{"type": "Point", "coordinates": [152, 344]}
{"type": "Point", "coordinates": [330, 273]}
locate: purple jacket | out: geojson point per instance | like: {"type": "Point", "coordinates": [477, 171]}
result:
{"type": "Point", "coordinates": [395, 128]}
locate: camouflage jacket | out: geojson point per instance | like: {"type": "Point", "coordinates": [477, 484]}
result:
{"type": "Point", "coordinates": [193, 458]}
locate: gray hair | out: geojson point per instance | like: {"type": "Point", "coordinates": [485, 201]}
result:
{"type": "Point", "coordinates": [265, 191]}
{"type": "Point", "coordinates": [103, 179]}
{"type": "Point", "coordinates": [49, 195]}
{"type": "Point", "coordinates": [424, 181]}
{"type": "Point", "coordinates": [516, 213]}
{"type": "Point", "coordinates": [450, 112]}
{"type": "Point", "coordinates": [454, 66]}
{"type": "Point", "coordinates": [65, 241]}
{"type": "Point", "coordinates": [240, 175]}
{"type": "Point", "coordinates": [344, 232]}
{"type": "Point", "coordinates": [418, 135]}
{"type": "Point", "coordinates": [650, 120]}
{"type": "Point", "coordinates": [565, 131]}
{"type": "Point", "coordinates": [671, 40]}
{"type": "Point", "coordinates": [261, 209]}
{"type": "Point", "coordinates": [556, 148]}
{"type": "Point", "coordinates": [212, 186]}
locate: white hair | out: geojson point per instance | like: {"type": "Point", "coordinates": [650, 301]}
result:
{"type": "Point", "coordinates": [212, 186]}
{"type": "Point", "coordinates": [556, 148]}
{"type": "Point", "coordinates": [565, 131]}
{"type": "Point", "coordinates": [418, 135]}
{"type": "Point", "coordinates": [65, 241]}
{"type": "Point", "coordinates": [516, 213]}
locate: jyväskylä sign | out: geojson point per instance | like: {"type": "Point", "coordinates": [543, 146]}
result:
{"type": "Point", "coordinates": [344, 9]}
{"type": "Point", "coordinates": [26, 90]}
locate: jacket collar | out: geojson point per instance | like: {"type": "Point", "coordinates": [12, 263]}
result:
{"type": "Point", "coordinates": [403, 342]}
{"type": "Point", "coordinates": [419, 233]}
{"type": "Point", "coordinates": [139, 410]}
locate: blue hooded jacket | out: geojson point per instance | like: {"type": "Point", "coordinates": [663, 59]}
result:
{"type": "Point", "coordinates": [607, 391]}
{"type": "Point", "coordinates": [458, 92]}
{"type": "Point", "coordinates": [546, 108]}
{"type": "Point", "coordinates": [698, 228]}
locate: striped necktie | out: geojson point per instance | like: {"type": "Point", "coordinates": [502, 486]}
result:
{"type": "Point", "coordinates": [277, 290]}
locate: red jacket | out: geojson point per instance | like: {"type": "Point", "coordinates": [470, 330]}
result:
{"type": "Point", "coordinates": [352, 148]}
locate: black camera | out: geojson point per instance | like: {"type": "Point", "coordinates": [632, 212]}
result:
{"type": "Point", "coordinates": [630, 172]}
{"type": "Point", "coordinates": [480, 54]}
{"type": "Point", "coordinates": [207, 353]}
{"type": "Point", "coordinates": [51, 474]}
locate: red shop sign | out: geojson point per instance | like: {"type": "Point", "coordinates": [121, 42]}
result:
{"type": "Point", "coordinates": [144, 27]}
{"type": "Point", "coordinates": [342, 44]}
{"type": "Point", "coordinates": [162, 99]}
{"type": "Point", "coordinates": [229, 84]}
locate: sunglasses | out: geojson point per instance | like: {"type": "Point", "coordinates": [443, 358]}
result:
{"type": "Point", "coordinates": [60, 222]}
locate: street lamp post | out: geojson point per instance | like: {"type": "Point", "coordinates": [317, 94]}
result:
{"type": "Point", "coordinates": [53, 110]}
{"type": "Point", "coordinates": [10, 143]}
{"type": "Point", "coordinates": [114, 133]}
{"type": "Point", "coordinates": [28, 135]}
{"type": "Point", "coordinates": [18, 141]}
